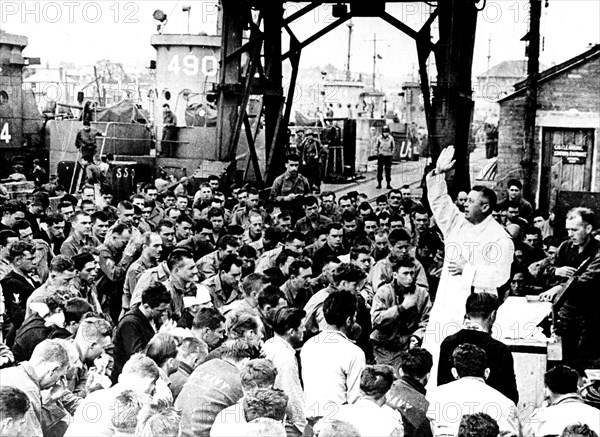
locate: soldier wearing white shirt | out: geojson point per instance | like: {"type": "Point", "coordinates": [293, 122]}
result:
{"type": "Point", "coordinates": [564, 405]}
{"type": "Point", "coordinates": [331, 362]}
{"type": "Point", "coordinates": [469, 394]}
{"type": "Point", "coordinates": [289, 330]}
{"type": "Point", "coordinates": [370, 414]}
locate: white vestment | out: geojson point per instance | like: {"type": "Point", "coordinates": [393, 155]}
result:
{"type": "Point", "coordinates": [489, 251]}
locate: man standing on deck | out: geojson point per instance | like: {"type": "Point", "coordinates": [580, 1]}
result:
{"type": "Point", "coordinates": [384, 150]}
{"type": "Point", "coordinates": [169, 132]}
{"type": "Point", "coordinates": [85, 141]}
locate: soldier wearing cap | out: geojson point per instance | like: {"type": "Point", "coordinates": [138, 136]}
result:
{"type": "Point", "coordinates": [384, 150]}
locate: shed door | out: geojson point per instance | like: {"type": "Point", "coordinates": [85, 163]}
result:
{"type": "Point", "coordinates": [568, 155]}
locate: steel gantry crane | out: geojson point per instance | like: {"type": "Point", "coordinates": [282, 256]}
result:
{"type": "Point", "coordinates": [448, 110]}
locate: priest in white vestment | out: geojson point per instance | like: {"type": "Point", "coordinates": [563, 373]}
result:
{"type": "Point", "coordinates": [478, 254]}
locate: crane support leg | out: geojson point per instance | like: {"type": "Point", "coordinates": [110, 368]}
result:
{"type": "Point", "coordinates": [452, 105]}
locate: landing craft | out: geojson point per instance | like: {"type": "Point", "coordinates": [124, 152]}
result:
{"type": "Point", "coordinates": [21, 124]}
{"type": "Point", "coordinates": [186, 75]}
{"type": "Point", "coordinates": [185, 72]}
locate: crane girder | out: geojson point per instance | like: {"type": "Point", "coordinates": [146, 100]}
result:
{"type": "Point", "coordinates": [448, 112]}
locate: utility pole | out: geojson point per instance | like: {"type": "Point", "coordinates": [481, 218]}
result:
{"type": "Point", "coordinates": [489, 56]}
{"type": "Point", "coordinates": [374, 57]}
{"type": "Point", "coordinates": [348, 74]}
{"type": "Point", "coordinates": [533, 65]}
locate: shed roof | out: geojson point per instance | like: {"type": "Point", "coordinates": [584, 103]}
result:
{"type": "Point", "coordinates": [516, 69]}
{"type": "Point", "coordinates": [556, 70]}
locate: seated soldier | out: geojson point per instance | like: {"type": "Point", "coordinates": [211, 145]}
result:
{"type": "Point", "coordinates": [400, 314]}
{"type": "Point", "coordinates": [47, 321]}
{"type": "Point", "coordinates": [565, 406]}
{"type": "Point", "coordinates": [469, 394]}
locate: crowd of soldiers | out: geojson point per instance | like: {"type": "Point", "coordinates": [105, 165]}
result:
{"type": "Point", "coordinates": [228, 311]}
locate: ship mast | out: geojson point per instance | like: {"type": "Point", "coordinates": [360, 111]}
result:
{"type": "Point", "coordinates": [348, 74]}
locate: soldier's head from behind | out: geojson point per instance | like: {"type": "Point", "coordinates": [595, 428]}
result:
{"type": "Point", "coordinates": [559, 381]}
{"type": "Point", "coordinates": [348, 277]}
{"type": "Point", "coordinates": [470, 361]}
{"type": "Point", "coordinates": [127, 405]}
{"type": "Point", "coordinates": [578, 430]}
{"type": "Point", "coordinates": [478, 425]}
{"type": "Point", "coordinates": [416, 363]}
{"type": "Point", "coordinates": [376, 381]}
{"type": "Point", "coordinates": [140, 373]}
{"type": "Point", "coordinates": [481, 309]}
{"type": "Point", "coordinates": [339, 310]}
{"type": "Point", "coordinates": [270, 299]}
{"type": "Point", "coordinates": [14, 403]}
{"type": "Point", "coordinates": [50, 361]}
{"type": "Point", "coordinates": [288, 323]}
{"type": "Point", "coordinates": [158, 419]}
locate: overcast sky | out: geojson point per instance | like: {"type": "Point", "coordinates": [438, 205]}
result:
{"type": "Point", "coordinates": [86, 31]}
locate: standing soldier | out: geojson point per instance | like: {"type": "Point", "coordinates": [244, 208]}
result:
{"type": "Point", "coordinates": [287, 189]}
{"type": "Point", "coordinates": [299, 140]}
{"type": "Point", "coordinates": [384, 150]}
{"type": "Point", "coordinates": [310, 154]}
{"type": "Point", "coordinates": [169, 132]}
{"type": "Point", "coordinates": [85, 141]}
{"type": "Point", "coordinates": [115, 257]}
